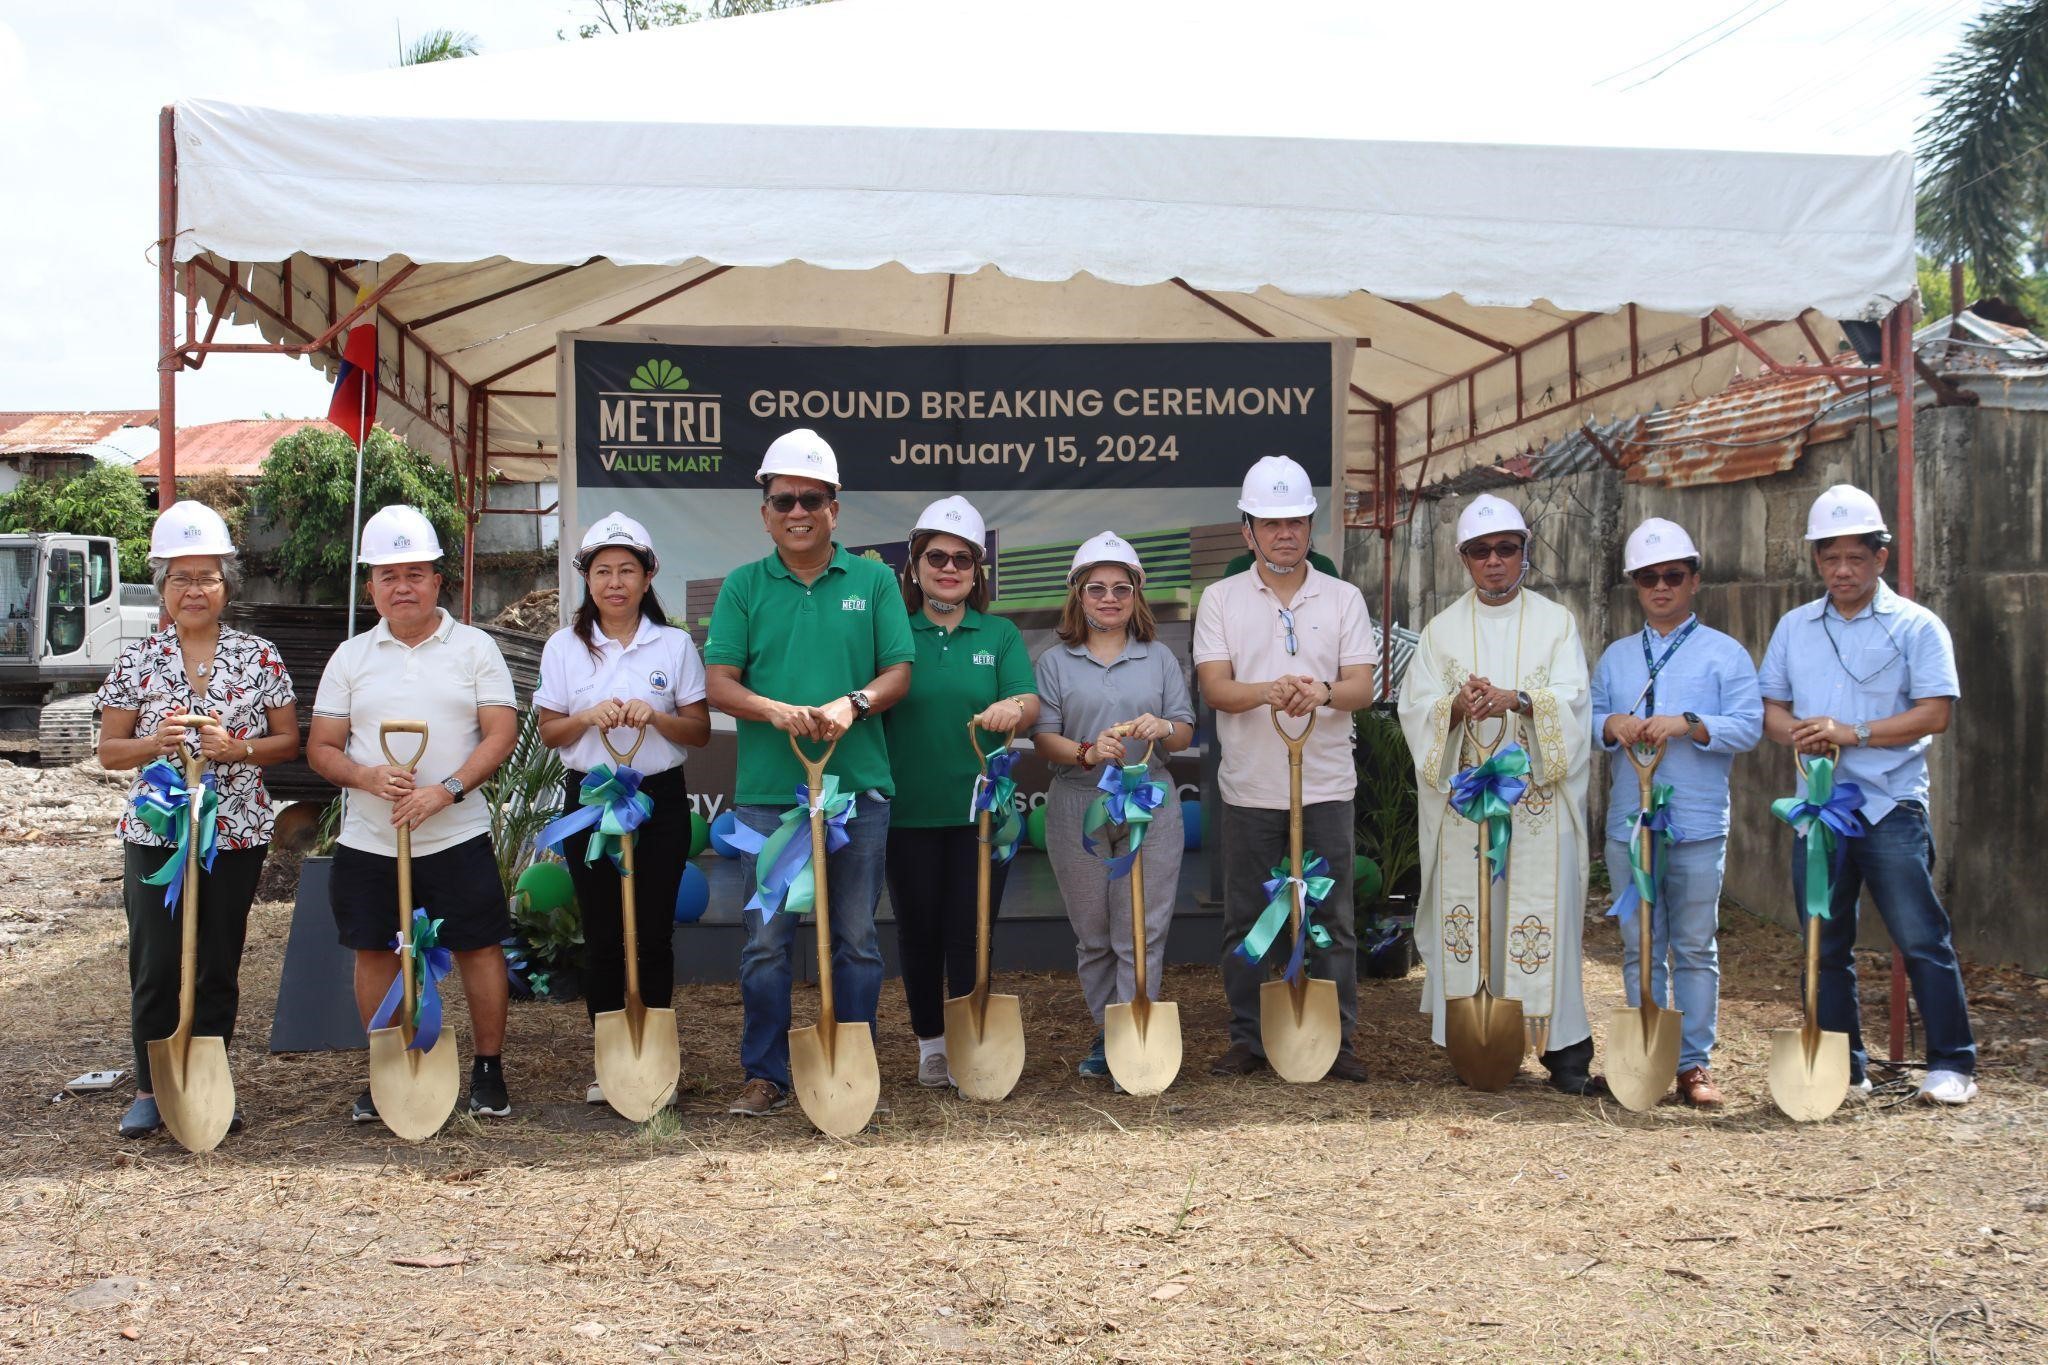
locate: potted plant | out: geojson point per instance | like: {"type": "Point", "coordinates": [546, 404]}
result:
{"type": "Point", "coordinates": [1388, 840]}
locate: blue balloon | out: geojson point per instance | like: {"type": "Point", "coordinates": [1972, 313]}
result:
{"type": "Point", "coordinates": [1191, 824]}
{"type": "Point", "coordinates": [721, 831]}
{"type": "Point", "coordinates": [693, 896]}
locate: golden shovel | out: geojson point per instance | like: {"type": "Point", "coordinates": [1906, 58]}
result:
{"type": "Point", "coordinates": [414, 1091]}
{"type": "Point", "coordinates": [195, 1094]}
{"type": "Point", "coordinates": [984, 1032]}
{"type": "Point", "coordinates": [1300, 1026]}
{"type": "Point", "coordinates": [831, 1064]}
{"type": "Point", "coordinates": [1809, 1068]}
{"type": "Point", "coordinates": [639, 1058]}
{"type": "Point", "coordinates": [1483, 1033]}
{"type": "Point", "coordinates": [1642, 1043]}
{"type": "Point", "coordinates": [1141, 1040]}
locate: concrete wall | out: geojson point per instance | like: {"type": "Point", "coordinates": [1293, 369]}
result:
{"type": "Point", "coordinates": [1983, 534]}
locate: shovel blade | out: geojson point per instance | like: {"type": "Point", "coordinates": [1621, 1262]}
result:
{"type": "Point", "coordinates": [638, 1081]}
{"type": "Point", "coordinates": [1642, 1058]}
{"type": "Point", "coordinates": [839, 1088]}
{"type": "Point", "coordinates": [414, 1092]}
{"type": "Point", "coordinates": [986, 1060]}
{"type": "Point", "coordinates": [195, 1093]}
{"type": "Point", "coordinates": [1808, 1088]}
{"type": "Point", "coordinates": [1303, 1035]}
{"type": "Point", "coordinates": [1485, 1038]}
{"type": "Point", "coordinates": [1144, 1055]}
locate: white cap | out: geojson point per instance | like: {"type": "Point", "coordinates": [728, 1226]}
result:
{"type": "Point", "coordinates": [400, 535]}
{"type": "Point", "coordinates": [620, 530]}
{"type": "Point", "coordinates": [1107, 548]}
{"type": "Point", "coordinates": [1486, 514]}
{"type": "Point", "coordinates": [1656, 541]}
{"type": "Point", "coordinates": [189, 528]}
{"type": "Point", "coordinates": [955, 516]}
{"type": "Point", "coordinates": [1277, 487]}
{"type": "Point", "coordinates": [802, 453]}
{"type": "Point", "coordinates": [1843, 510]}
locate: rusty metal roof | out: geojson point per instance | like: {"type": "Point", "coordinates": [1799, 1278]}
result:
{"type": "Point", "coordinates": [235, 448]}
{"type": "Point", "coordinates": [64, 433]}
{"type": "Point", "coordinates": [1755, 427]}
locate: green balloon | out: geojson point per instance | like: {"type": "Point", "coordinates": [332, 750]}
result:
{"type": "Point", "coordinates": [546, 887]}
{"type": "Point", "coordinates": [1034, 828]}
{"type": "Point", "coordinates": [700, 834]}
{"type": "Point", "coordinates": [1365, 879]}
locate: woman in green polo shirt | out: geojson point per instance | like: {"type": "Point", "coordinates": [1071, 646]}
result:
{"type": "Point", "coordinates": [968, 665]}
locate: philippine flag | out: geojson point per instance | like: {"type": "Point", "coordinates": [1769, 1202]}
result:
{"type": "Point", "coordinates": [354, 406]}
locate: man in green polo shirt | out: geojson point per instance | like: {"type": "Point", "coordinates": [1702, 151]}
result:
{"type": "Point", "coordinates": [812, 642]}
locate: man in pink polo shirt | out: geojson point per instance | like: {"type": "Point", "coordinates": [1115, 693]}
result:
{"type": "Point", "coordinates": [1283, 637]}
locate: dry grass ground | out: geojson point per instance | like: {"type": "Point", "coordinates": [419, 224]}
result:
{"type": "Point", "coordinates": [1225, 1220]}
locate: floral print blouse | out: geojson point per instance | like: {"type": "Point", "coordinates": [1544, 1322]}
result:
{"type": "Point", "coordinates": [248, 679]}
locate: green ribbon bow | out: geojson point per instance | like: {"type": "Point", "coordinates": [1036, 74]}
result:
{"type": "Point", "coordinates": [783, 877]}
{"type": "Point", "coordinates": [166, 807]}
{"type": "Point", "coordinates": [1282, 888]}
{"type": "Point", "coordinates": [1486, 794]}
{"type": "Point", "coordinates": [1825, 816]}
{"type": "Point", "coordinates": [995, 792]}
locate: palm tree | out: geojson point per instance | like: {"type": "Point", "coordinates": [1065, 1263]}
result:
{"type": "Point", "coordinates": [1984, 149]}
{"type": "Point", "coordinates": [439, 45]}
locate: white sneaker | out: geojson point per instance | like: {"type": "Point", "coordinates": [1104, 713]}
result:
{"type": "Point", "coordinates": [1948, 1087]}
{"type": "Point", "coordinates": [594, 1095]}
{"type": "Point", "coordinates": [932, 1072]}
{"type": "Point", "coordinates": [1861, 1089]}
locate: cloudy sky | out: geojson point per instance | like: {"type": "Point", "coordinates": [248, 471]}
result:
{"type": "Point", "coordinates": [80, 87]}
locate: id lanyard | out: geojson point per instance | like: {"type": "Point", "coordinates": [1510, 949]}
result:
{"type": "Point", "coordinates": [1648, 700]}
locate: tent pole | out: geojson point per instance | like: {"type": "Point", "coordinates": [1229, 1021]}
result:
{"type": "Point", "coordinates": [1903, 383]}
{"type": "Point", "coordinates": [166, 307]}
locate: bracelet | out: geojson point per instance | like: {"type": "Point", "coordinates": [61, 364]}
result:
{"type": "Point", "coordinates": [1082, 756]}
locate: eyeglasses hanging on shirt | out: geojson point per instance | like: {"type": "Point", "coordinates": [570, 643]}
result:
{"type": "Point", "coordinates": [1287, 620]}
{"type": "Point", "coordinates": [1862, 679]}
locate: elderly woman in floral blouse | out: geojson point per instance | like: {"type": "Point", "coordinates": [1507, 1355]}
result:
{"type": "Point", "coordinates": [193, 666]}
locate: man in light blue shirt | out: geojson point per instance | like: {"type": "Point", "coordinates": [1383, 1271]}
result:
{"type": "Point", "coordinates": [1679, 681]}
{"type": "Point", "coordinates": [1874, 675]}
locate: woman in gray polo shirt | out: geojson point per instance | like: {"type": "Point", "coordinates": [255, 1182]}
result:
{"type": "Point", "coordinates": [1107, 670]}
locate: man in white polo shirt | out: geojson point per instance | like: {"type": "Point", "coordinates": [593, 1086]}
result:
{"type": "Point", "coordinates": [418, 664]}
{"type": "Point", "coordinates": [1283, 637]}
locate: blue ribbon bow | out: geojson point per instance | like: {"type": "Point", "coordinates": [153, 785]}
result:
{"type": "Point", "coordinates": [612, 801]}
{"type": "Point", "coordinates": [1486, 793]}
{"type": "Point", "coordinates": [1127, 799]}
{"type": "Point", "coordinates": [428, 962]}
{"type": "Point", "coordinates": [1640, 889]}
{"type": "Point", "coordinates": [165, 805]}
{"type": "Point", "coordinates": [995, 792]}
{"type": "Point", "coordinates": [783, 879]}
{"type": "Point", "coordinates": [1314, 887]}
{"type": "Point", "coordinates": [1823, 824]}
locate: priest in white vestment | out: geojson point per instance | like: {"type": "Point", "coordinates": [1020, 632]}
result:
{"type": "Point", "coordinates": [1502, 654]}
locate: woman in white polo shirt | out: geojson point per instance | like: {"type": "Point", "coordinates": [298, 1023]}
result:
{"type": "Point", "coordinates": [620, 666]}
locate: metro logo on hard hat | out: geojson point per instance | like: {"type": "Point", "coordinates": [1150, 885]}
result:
{"type": "Point", "coordinates": [1844, 510]}
{"type": "Point", "coordinates": [189, 528]}
{"type": "Point", "coordinates": [399, 535]}
{"type": "Point", "coordinates": [1276, 487]}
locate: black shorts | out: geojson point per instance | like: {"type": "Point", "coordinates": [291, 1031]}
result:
{"type": "Point", "coordinates": [458, 886]}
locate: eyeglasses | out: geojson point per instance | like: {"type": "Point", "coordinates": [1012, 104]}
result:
{"type": "Point", "coordinates": [1120, 591]}
{"type": "Point", "coordinates": [958, 559]}
{"type": "Point", "coordinates": [1670, 578]}
{"type": "Point", "coordinates": [785, 503]}
{"type": "Point", "coordinates": [184, 582]}
{"type": "Point", "coordinates": [1287, 620]}
{"type": "Point", "coordinates": [1500, 549]}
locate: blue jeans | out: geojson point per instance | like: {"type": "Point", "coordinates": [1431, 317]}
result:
{"type": "Point", "coordinates": [1896, 858]}
{"type": "Point", "coordinates": [1685, 955]}
{"type": "Point", "coordinates": [853, 883]}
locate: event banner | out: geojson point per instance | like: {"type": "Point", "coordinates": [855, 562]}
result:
{"type": "Point", "coordinates": [1053, 441]}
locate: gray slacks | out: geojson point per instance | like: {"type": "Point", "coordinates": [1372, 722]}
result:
{"type": "Point", "coordinates": [1254, 843]}
{"type": "Point", "coordinates": [1100, 909]}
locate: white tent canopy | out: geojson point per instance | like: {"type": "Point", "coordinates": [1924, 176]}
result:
{"type": "Point", "coordinates": [1513, 265]}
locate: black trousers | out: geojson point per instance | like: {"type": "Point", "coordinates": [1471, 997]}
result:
{"type": "Point", "coordinates": [156, 941]}
{"type": "Point", "coordinates": [660, 847]}
{"type": "Point", "coordinates": [931, 875]}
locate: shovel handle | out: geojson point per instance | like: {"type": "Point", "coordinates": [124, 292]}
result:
{"type": "Point", "coordinates": [814, 777]}
{"type": "Point", "coordinates": [1295, 744]}
{"type": "Point", "coordinates": [1484, 897]}
{"type": "Point", "coordinates": [604, 737]}
{"type": "Point", "coordinates": [983, 880]}
{"type": "Point", "coordinates": [1810, 1028]}
{"type": "Point", "coordinates": [384, 733]}
{"type": "Point", "coordinates": [981, 758]}
{"type": "Point", "coordinates": [1802, 761]}
{"type": "Point", "coordinates": [1644, 763]}
{"type": "Point", "coordinates": [1484, 746]}
{"type": "Point", "coordinates": [188, 929]}
{"type": "Point", "coordinates": [402, 727]}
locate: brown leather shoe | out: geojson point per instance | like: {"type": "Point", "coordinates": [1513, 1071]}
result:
{"type": "Point", "coordinates": [1347, 1067]}
{"type": "Point", "coordinates": [1239, 1060]}
{"type": "Point", "coordinates": [1697, 1088]}
{"type": "Point", "coordinates": [758, 1098]}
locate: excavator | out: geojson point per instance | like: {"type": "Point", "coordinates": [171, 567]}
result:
{"type": "Point", "coordinates": [65, 615]}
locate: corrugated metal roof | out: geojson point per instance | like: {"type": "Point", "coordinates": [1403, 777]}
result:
{"type": "Point", "coordinates": [236, 448]}
{"type": "Point", "coordinates": [64, 433]}
{"type": "Point", "coordinates": [1755, 427]}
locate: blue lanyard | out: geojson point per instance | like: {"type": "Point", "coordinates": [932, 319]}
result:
{"type": "Point", "coordinates": [1656, 666]}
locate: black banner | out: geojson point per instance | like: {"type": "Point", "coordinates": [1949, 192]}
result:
{"type": "Point", "coordinates": [960, 417]}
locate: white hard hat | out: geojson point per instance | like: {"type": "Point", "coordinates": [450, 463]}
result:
{"type": "Point", "coordinates": [1843, 510]}
{"type": "Point", "coordinates": [1657, 541]}
{"type": "Point", "coordinates": [1107, 548]}
{"type": "Point", "coordinates": [189, 528]}
{"type": "Point", "coordinates": [1486, 514]}
{"type": "Point", "coordinates": [1277, 487]}
{"type": "Point", "coordinates": [619, 530]}
{"type": "Point", "coordinates": [802, 453]}
{"type": "Point", "coordinates": [399, 535]}
{"type": "Point", "coordinates": [955, 516]}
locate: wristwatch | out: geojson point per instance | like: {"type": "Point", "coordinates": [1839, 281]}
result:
{"type": "Point", "coordinates": [1862, 728]}
{"type": "Point", "coordinates": [1692, 721]}
{"type": "Point", "coordinates": [861, 704]}
{"type": "Point", "coordinates": [453, 785]}
{"type": "Point", "coordinates": [1522, 703]}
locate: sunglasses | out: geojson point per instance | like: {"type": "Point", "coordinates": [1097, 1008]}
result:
{"type": "Point", "coordinates": [785, 503]}
{"type": "Point", "coordinates": [1098, 591]}
{"type": "Point", "coordinates": [1500, 549]}
{"type": "Point", "coordinates": [1670, 578]}
{"type": "Point", "coordinates": [957, 559]}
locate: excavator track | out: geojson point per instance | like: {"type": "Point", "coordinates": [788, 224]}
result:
{"type": "Point", "coordinates": [67, 731]}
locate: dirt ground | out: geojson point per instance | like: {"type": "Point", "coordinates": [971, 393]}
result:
{"type": "Point", "coordinates": [1402, 1219]}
